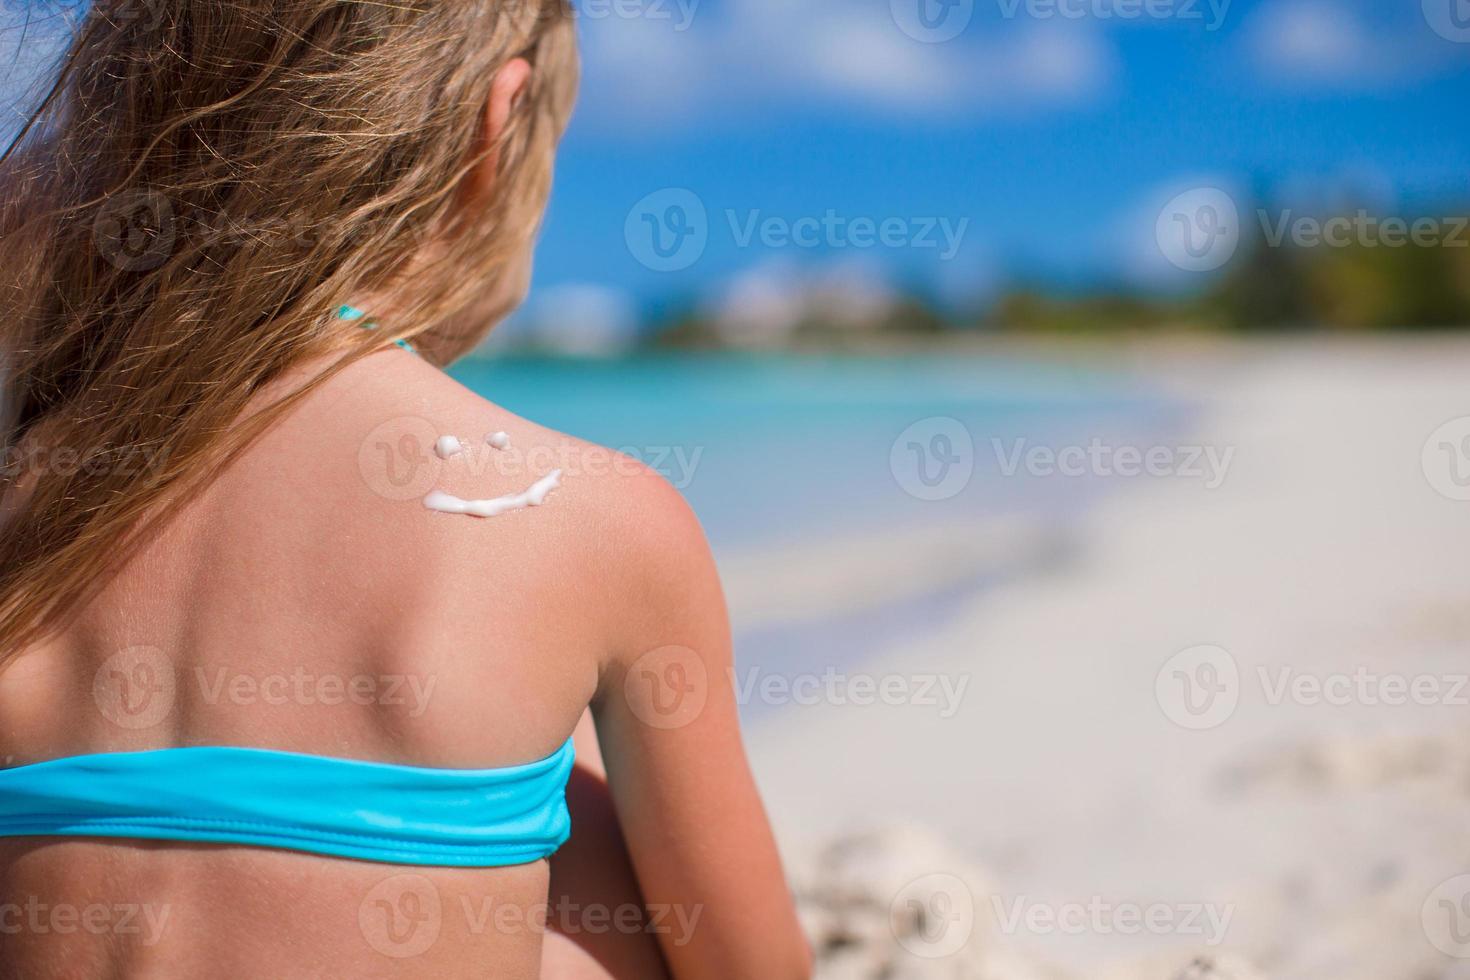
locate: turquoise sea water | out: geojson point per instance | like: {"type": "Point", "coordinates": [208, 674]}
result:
{"type": "Point", "coordinates": [788, 446]}
{"type": "Point", "coordinates": [773, 451]}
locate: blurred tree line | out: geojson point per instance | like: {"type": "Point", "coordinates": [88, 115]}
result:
{"type": "Point", "coordinates": [1364, 285]}
{"type": "Point", "coordinates": [1266, 287]}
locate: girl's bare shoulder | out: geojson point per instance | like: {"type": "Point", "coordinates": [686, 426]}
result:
{"type": "Point", "coordinates": [395, 458]}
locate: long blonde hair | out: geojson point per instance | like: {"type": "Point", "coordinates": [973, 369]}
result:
{"type": "Point", "coordinates": [203, 184]}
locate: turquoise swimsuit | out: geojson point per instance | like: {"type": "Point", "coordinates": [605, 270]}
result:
{"type": "Point", "coordinates": [464, 818]}
{"type": "Point", "coordinates": [371, 811]}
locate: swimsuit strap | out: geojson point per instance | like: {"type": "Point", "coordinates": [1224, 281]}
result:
{"type": "Point", "coordinates": [353, 314]}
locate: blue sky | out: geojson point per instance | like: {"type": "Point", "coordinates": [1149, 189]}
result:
{"type": "Point", "coordinates": [1030, 138]}
{"type": "Point", "coordinates": [1057, 128]}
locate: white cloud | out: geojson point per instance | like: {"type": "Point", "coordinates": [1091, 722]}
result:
{"type": "Point", "coordinates": [1062, 63]}
{"type": "Point", "coordinates": [749, 55]}
{"type": "Point", "coordinates": [574, 318]}
{"type": "Point", "coordinates": [1311, 39]}
{"type": "Point", "coordinates": [1343, 44]}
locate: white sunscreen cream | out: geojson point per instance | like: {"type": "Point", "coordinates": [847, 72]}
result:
{"type": "Point", "coordinates": [498, 440]}
{"type": "Point", "coordinates": [534, 497]}
{"type": "Point", "coordinates": [448, 446]}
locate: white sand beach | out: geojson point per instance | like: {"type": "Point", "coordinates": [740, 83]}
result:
{"type": "Point", "coordinates": [1300, 837]}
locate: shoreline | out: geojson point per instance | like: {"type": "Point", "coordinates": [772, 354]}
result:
{"type": "Point", "coordinates": [1146, 348]}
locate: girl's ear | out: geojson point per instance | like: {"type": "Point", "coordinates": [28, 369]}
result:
{"type": "Point", "coordinates": [509, 83]}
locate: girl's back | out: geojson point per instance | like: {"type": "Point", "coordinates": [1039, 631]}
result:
{"type": "Point", "coordinates": [294, 630]}
{"type": "Point", "coordinates": [305, 602]}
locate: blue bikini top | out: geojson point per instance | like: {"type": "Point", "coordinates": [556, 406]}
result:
{"type": "Point", "coordinates": [371, 811]}
{"type": "Point", "coordinates": [344, 808]}
{"type": "Point", "coordinates": [464, 818]}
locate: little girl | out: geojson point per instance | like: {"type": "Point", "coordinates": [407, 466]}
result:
{"type": "Point", "coordinates": [300, 639]}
